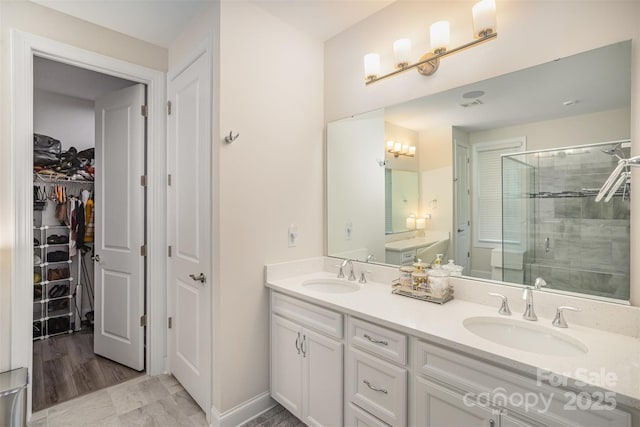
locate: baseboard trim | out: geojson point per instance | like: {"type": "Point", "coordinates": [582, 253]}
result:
{"type": "Point", "coordinates": [242, 413]}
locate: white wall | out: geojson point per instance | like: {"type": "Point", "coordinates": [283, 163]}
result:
{"type": "Point", "coordinates": [35, 19]}
{"type": "Point", "coordinates": [66, 118]}
{"type": "Point", "coordinates": [271, 92]}
{"type": "Point", "coordinates": [568, 29]}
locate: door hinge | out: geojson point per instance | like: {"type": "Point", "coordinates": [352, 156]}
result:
{"type": "Point", "coordinates": [169, 108]}
{"type": "Point", "coordinates": [143, 180]}
{"type": "Point", "coordinates": [169, 180]}
{"type": "Point", "coordinates": [143, 320]}
{"type": "Point", "coordinates": [169, 251]}
{"type": "Point", "coordinates": [144, 110]}
{"type": "Point", "coordinates": [169, 323]}
{"type": "Point", "coordinates": [143, 250]}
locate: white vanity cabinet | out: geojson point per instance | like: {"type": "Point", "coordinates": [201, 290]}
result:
{"type": "Point", "coordinates": [456, 389]}
{"type": "Point", "coordinates": [406, 257]}
{"type": "Point", "coordinates": [376, 375]}
{"type": "Point", "coordinates": [307, 360]}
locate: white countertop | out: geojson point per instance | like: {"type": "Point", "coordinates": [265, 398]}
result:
{"type": "Point", "coordinates": [407, 244]}
{"type": "Point", "coordinates": [609, 353]}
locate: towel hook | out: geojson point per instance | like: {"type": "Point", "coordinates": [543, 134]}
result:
{"type": "Point", "coordinates": [231, 137]}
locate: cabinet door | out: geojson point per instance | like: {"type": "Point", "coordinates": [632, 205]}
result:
{"type": "Point", "coordinates": [437, 406]}
{"type": "Point", "coordinates": [322, 380]}
{"type": "Point", "coordinates": [509, 421]}
{"type": "Point", "coordinates": [286, 364]}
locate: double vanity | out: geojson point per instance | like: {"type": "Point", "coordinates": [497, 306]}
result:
{"type": "Point", "coordinates": [350, 353]}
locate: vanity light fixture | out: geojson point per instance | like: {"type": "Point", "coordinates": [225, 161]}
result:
{"type": "Point", "coordinates": [400, 149]}
{"type": "Point", "coordinates": [484, 28]}
{"type": "Point", "coordinates": [411, 222]}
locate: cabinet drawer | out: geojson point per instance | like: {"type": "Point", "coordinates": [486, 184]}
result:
{"type": "Point", "coordinates": [308, 315]}
{"type": "Point", "coordinates": [356, 417]}
{"type": "Point", "coordinates": [378, 387]}
{"type": "Point", "coordinates": [476, 376]}
{"type": "Point", "coordinates": [408, 256]}
{"type": "Point", "coordinates": [376, 339]}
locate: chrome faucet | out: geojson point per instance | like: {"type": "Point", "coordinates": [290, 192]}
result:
{"type": "Point", "coordinates": [559, 321]}
{"type": "Point", "coordinates": [352, 274]}
{"type": "Point", "coordinates": [529, 312]}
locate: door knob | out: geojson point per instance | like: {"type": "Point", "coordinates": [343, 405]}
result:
{"type": "Point", "coordinates": [201, 278]}
{"type": "Point", "coordinates": [96, 257]}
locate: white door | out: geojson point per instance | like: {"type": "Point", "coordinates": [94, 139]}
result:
{"type": "Point", "coordinates": [286, 364]}
{"type": "Point", "coordinates": [189, 229]}
{"type": "Point", "coordinates": [437, 406]}
{"type": "Point", "coordinates": [322, 380]}
{"type": "Point", "coordinates": [119, 231]}
{"type": "Point", "coordinates": [462, 233]}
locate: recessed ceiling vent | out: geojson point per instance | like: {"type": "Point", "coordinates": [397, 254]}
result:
{"type": "Point", "coordinates": [472, 103]}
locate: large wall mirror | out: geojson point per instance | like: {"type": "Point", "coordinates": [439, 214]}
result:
{"type": "Point", "coordinates": [500, 176]}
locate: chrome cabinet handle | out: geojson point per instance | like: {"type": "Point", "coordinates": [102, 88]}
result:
{"type": "Point", "coordinates": [298, 343]}
{"type": "Point", "coordinates": [492, 423]}
{"type": "Point", "coordinates": [302, 346]}
{"type": "Point", "coordinates": [201, 278]}
{"type": "Point", "coordinates": [375, 341]}
{"type": "Point", "coordinates": [374, 388]}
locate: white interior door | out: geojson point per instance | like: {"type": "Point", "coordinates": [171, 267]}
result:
{"type": "Point", "coordinates": [189, 229]}
{"type": "Point", "coordinates": [462, 232]}
{"type": "Point", "coordinates": [119, 226]}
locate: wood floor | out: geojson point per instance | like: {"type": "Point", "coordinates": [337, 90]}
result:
{"type": "Point", "coordinates": [65, 367]}
{"type": "Point", "coordinates": [275, 417]}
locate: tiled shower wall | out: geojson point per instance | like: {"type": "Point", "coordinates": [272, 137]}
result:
{"type": "Point", "coordinates": [588, 241]}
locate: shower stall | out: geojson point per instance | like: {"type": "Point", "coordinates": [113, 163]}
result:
{"type": "Point", "coordinates": [551, 219]}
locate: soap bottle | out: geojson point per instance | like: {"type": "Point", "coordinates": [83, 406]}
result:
{"type": "Point", "coordinates": [438, 261]}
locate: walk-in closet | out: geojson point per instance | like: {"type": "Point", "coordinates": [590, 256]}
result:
{"type": "Point", "coordinates": [65, 200]}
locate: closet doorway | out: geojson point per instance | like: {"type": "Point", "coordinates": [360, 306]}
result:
{"type": "Point", "coordinates": [89, 231]}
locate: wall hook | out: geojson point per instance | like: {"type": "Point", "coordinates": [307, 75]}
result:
{"type": "Point", "coordinates": [231, 137]}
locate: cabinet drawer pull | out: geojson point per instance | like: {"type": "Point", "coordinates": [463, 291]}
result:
{"type": "Point", "coordinates": [303, 346]}
{"type": "Point", "coordinates": [298, 343]}
{"type": "Point", "coordinates": [492, 423]}
{"type": "Point", "coordinates": [381, 390]}
{"type": "Point", "coordinates": [375, 341]}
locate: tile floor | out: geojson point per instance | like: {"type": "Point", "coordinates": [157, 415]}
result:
{"type": "Point", "coordinates": [144, 402]}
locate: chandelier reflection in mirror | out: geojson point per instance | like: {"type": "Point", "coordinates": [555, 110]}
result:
{"type": "Point", "coordinates": [484, 29]}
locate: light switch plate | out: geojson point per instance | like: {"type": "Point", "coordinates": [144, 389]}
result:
{"type": "Point", "coordinates": [293, 235]}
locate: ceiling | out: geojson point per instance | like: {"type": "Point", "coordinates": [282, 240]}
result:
{"type": "Point", "coordinates": [597, 80]}
{"type": "Point", "coordinates": [63, 79]}
{"type": "Point", "coordinates": [161, 21]}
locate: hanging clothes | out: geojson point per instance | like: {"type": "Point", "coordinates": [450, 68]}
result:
{"type": "Point", "coordinates": [88, 236]}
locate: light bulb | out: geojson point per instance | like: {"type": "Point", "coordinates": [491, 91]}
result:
{"type": "Point", "coordinates": [484, 18]}
{"type": "Point", "coordinates": [439, 32]}
{"type": "Point", "coordinates": [371, 66]}
{"type": "Point", "coordinates": [402, 52]}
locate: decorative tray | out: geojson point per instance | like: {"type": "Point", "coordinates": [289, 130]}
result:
{"type": "Point", "coordinates": [408, 291]}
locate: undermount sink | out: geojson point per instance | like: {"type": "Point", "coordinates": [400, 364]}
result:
{"type": "Point", "coordinates": [525, 336]}
{"type": "Point", "coordinates": [331, 286]}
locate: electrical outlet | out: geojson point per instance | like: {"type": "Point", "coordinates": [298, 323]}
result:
{"type": "Point", "coordinates": [293, 235]}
